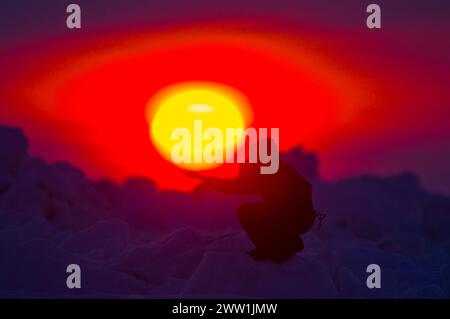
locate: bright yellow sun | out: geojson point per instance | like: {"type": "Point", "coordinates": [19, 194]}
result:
{"type": "Point", "coordinates": [182, 105]}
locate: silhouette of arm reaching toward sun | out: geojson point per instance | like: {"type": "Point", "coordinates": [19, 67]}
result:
{"type": "Point", "coordinates": [240, 185]}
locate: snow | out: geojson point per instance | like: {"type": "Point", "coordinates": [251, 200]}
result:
{"type": "Point", "coordinates": [135, 240]}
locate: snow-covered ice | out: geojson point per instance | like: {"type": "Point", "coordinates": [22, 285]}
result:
{"type": "Point", "coordinates": [134, 240]}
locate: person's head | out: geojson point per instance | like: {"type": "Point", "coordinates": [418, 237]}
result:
{"type": "Point", "coordinates": [262, 157]}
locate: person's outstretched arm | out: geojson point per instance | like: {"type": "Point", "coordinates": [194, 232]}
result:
{"type": "Point", "coordinates": [241, 185]}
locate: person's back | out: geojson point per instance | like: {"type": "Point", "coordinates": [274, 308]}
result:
{"type": "Point", "coordinates": [287, 198]}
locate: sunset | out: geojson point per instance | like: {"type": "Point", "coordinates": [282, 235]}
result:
{"type": "Point", "coordinates": [225, 157]}
{"type": "Point", "coordinates": [173, 112]}
{"type": "Point", "coordinates": [103, 91]}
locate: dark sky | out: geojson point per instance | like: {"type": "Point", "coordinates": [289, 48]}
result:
{"type": "Point", "coordinates": [22, 18]}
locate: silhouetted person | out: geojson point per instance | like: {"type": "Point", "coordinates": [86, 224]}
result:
{"type": "Point", "coordinates": [275, 224]}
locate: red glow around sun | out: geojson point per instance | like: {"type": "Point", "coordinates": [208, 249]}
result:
{"type": "Point", "coordinates": [95, 97]}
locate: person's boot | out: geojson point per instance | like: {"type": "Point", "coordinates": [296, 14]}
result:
{"type": "Point", "coordinates": [288, 250]}
{"type": "Point", "coordinates": [258, 254]}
